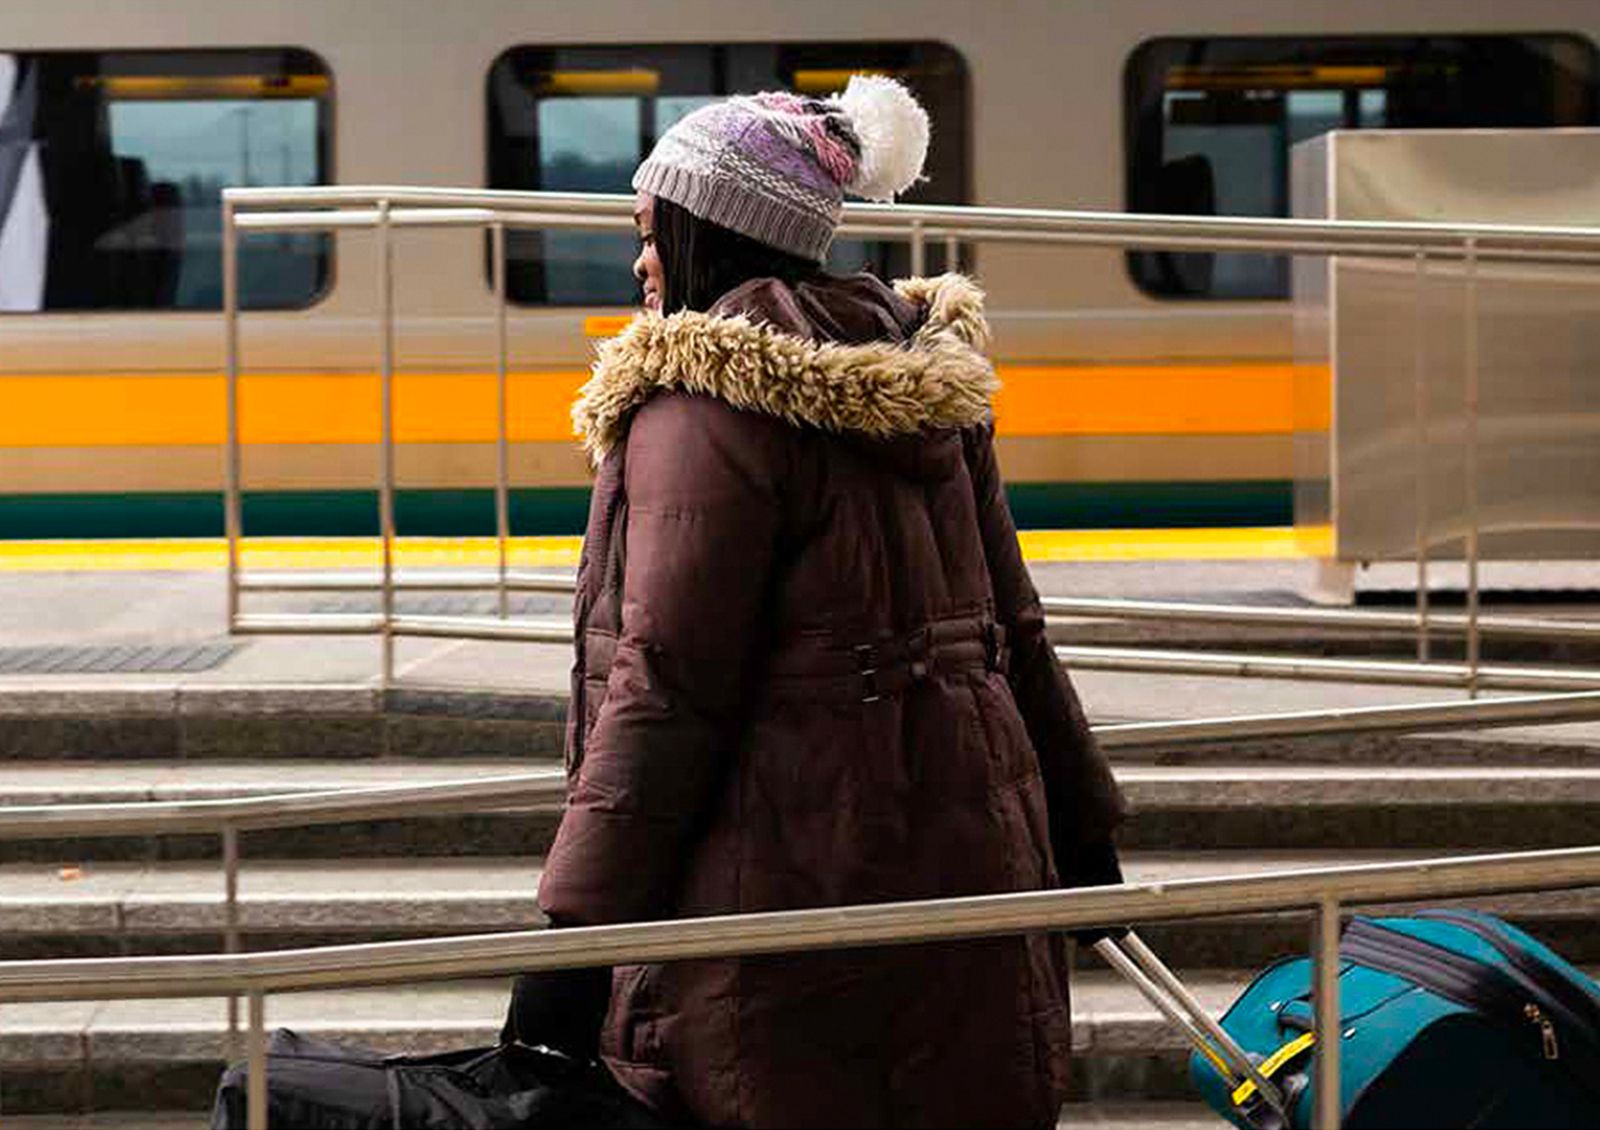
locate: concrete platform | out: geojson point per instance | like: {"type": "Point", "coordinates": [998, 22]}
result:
{"type": "Point", "coordinates": [189, 607]}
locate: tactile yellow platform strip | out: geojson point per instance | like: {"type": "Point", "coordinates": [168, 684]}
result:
{"type": "Point", "coordinates": [189, 554]}
{"type": "Point", "coordinates": [1260, 543]}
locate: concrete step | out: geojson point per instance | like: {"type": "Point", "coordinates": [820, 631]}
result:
{"type": "Point", "coordinates": [1563, 919]}
{"type": "Point", "coordinates": [1352, 807]}
{"type": "Point", "coordinates": [1259, 806]}
{"type": "Point", "coordinates": [116, 1120]}
{"type": "Point", "coordinates": [100, 782]}
{"type": "Point", "coordinates": [1131, 1115]}
{"type": "Point", "coordinates": [120, 718]}
{"type": "Point", "coordinates": [166, 1055]}
{"type": "Point", "coordinates": [106, 909]}
{"type": "Point", "coordinates": [1075, 1115]}
{"type": "Point", "coordinates": [117, 720]}
{"type": "Point", "coordinates": [1340, 642]}
{"type": "Point", "coordinates": [1572, 743]}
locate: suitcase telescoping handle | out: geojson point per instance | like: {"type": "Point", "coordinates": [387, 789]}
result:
{"type": "Point", "coordinates": [1162, 988]}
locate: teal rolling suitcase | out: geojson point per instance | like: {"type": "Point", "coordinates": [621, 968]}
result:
{"type": "Point", "coordinates": [1448, 1018]}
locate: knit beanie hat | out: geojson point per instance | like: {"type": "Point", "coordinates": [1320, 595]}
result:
{"type": "Point", "coordinates": [776, 166]}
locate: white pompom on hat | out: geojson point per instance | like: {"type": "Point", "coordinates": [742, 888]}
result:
{"type": "Point", "coordinates": [775, 166]}
{"type": "Point", "coordinates": [892, 128]}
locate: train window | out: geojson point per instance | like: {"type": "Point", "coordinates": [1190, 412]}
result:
{"type": "Point", "coordinates": [112, 166]}
{"type": "Point", "coordinates": [1209, 122]}
{"type": "Point", "coordinates": [582, 118]}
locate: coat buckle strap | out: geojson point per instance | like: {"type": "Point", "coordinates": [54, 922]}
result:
{"type": "Point", "coordinates": [919, 653]}
{"type": "Point", "coordinates": [867, 668]}
{"type": "Point", "coordinates": [996, 655]}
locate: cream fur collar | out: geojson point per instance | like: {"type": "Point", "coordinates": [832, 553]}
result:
{"type": "Point", "coordinates": [938, 379]}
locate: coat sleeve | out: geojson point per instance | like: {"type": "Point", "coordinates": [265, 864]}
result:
{"type": "Point", "coordinates": [1084, 801]}
{"type": "Point", "coordinates": [702, 521]}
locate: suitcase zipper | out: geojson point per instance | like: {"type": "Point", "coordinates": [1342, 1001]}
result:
{"type": "Point", "coordinates": [1547, 1030]}
{"type": "Point", "coordinates": [1570, 1004]}
{"type": "Point", "coordinates": [1486, 989]}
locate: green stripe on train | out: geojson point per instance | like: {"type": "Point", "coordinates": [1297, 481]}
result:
{"type": "Point", "coordinates": [562, 510]}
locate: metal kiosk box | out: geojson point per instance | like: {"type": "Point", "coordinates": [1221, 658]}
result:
{"type": "Point", "coordinates": [1383, 348]}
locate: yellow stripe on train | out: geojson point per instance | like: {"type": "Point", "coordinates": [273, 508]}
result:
{"type": "Point", "coordinates": [208, 554]}
{"type": "Point", "coordinates": [138, 409]}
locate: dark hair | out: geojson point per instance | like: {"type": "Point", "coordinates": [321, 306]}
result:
{"type": "Point", "coordinates": [701, 261]}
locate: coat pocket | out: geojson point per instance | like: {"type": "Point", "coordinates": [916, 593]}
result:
{"type": "Point", "coordinates": [633, 1029]}
{"type": "Point", "coordinates": [1012, 758]}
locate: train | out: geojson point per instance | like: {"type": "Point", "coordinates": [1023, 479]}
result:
{"type": "Point", "coordinates": [1140, 389]}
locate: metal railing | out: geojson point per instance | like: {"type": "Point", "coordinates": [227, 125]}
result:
{"type": "Point", "coordinates": [227, 817]}
{"type": "Point", "coordinates": [1323, 892]}
{"type": "Point", "coordinates": [547, 790]}
{"type": "Point", "coordinates": [1090, 657]}
{"type": "Point", "coordinates": [386, 209]}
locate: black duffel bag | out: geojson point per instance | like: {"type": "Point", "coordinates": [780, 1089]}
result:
{"type": "Point", "coordinates": [311, 1083]}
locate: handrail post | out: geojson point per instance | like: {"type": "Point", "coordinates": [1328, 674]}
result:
{"type": "Point", "coordinates": [386, 425]}
{"type": "Point", "coordinates": [952, 254]}
{"type": "Point", "coordinates": [1420, 374]}
{"type": "Point", "coordinates": [231, 502]}
{"type": "Point", "coordinates": [502, 479]}
{"type": "Point", "coordinates": [230, 911]}
{"type": "Point", "coordinates": [1325, 1004]}
{"type": "Point", "coordinates": [256, 1081]}
{"type": "Point", "coordinates": [1470, 385]}
{"type": "Point", "coordinates": [919, 249]}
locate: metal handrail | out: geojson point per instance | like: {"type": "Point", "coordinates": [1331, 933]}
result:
{"type": "Point", "coordinates": [381, 963]}
{"type": "Point", "coordinates": [1237, 665]}
{"type": "Point", "coordinates": [386, 208]}
{"type": "Point", "coordinates": [1186, 661]}
{"type": "Point", "coordinates": [548, 788]}
{"type": "Point", "coordinates": [1267, 616]}
{"type": "Point", "coordinates": [1066, 607]}
{"type": "Point", "coordinates": [1222, 233]}
{"type": "Point", "coordinates": [282, 810]}
{"type": "Point", "coordinates": [1324, 891]}
{"type": "Point", "coordinates": [519, 790]}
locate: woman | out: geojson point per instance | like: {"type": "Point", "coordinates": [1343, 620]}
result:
{"type": "Point", "coordinates": [811, 668]}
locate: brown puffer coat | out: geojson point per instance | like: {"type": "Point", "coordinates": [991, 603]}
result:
{"type": "Point", "coordinates": [812, 671]}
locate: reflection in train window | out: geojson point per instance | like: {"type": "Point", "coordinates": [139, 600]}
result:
{"type": "Point", "coordinates": [112, 166]}
{"type": "Point", "coordinates": [582, 118]}
{"type": "Point", "coordinates": [1210, 122]}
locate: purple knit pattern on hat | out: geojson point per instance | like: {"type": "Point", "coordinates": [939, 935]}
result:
{"type": "Point", "coordinates": [770, 166]}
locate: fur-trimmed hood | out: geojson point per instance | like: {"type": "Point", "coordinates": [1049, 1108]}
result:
{"type": "Point", "coordinates": [939, 378]}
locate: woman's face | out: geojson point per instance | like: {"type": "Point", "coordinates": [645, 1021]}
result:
{"type": "Point", "coordinates": [647, 267]}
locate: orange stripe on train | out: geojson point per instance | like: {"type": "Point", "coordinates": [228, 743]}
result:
{"type": "Point", "coordinates": [136, 410]}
